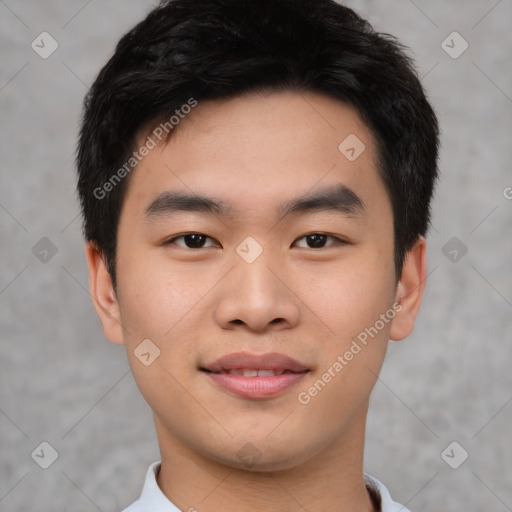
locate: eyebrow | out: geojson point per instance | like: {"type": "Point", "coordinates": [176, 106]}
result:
{"type": "Point", "coordinates": [339, 199]}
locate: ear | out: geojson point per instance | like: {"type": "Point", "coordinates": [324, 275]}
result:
{"type": "Point", "coordinates": [409, 292]}
{"type": "Point", "coordinates": [103, 294]}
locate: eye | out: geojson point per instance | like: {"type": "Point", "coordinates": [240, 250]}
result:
{"type": "Point", "coordinates": [197, 240]}
{"type": "Point", "coordinates": [192, 240]}
{"type": "Point", "coordinates": [317, 240]}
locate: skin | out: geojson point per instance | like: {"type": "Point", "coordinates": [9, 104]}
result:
{"type": "Point", "coordinates": [197, 304]}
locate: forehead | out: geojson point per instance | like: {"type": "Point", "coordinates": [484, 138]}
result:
{"type": "Point", "coordinates": [256, 150]}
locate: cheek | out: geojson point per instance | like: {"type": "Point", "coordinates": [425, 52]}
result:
{"type": "Point", "coordinates": [154, 296]}
{"type": "Point", "coordinates": [359, 308]}
{"type": "Point", "coordinates": [164, 305]}
{"type": "Point", "coordinates": [353, 350]}
{"type": "Point", "coordinates": [350, 296]}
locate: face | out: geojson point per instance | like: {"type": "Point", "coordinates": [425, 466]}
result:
{"type": "Point", "coordinates": [295, 259]}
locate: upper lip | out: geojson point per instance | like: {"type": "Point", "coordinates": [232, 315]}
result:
{"type": "Point", "coordinates": [246, 361]}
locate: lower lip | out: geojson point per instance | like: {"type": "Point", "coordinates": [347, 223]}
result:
{"type": "Point", "coordinates": [256, 387]}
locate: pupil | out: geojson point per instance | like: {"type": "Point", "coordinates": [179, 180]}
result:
{"type": "Point", "coordinates": [318, 240]}
{"type": "Point", "coordinates": [196, 240]}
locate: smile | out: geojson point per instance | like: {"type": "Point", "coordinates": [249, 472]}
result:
{"type": "Point", "coordinates": [254, 373]}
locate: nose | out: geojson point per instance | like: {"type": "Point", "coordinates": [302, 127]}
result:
{"type": "Point", "coordinates": [257, 295]}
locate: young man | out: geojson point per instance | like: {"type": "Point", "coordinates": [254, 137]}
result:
{"type": "Point", "coordinates": [255, 178]}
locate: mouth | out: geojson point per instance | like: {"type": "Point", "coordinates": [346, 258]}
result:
{"type": "Point", "coordinates": [243, 363]}
{"type": "Point", "coordinates": [252, 373]}
{"type": "Point", "coordinates": [255, 375]}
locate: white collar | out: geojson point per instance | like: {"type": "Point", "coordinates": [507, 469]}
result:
{"type": "Point", "coordinates": [153, 499]}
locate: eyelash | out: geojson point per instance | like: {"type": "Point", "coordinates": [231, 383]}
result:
{"type": "Point", "coordinates": [338, 241]}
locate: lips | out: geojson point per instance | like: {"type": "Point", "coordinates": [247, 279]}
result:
{"type": "Point", "coordinates": [253, 376]}
{"type": "Point", "coordinates": [246, 372]}
{"type": "Point", "coordinates": [255, 365]}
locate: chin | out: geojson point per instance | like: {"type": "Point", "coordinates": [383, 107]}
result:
{"type": "Point", "coordinates": [262, 456]}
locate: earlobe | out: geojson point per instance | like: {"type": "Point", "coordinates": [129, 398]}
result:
{"type": "Point", "coordinates": [409, 291]}
{"type": "Point", "coordinates": [103, 294]}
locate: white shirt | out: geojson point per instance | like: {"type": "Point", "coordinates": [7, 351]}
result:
{"type": "Point", "coordinates": [152, 499]}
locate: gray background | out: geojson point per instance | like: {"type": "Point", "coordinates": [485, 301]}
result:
{"type": "Point", "coordinates": [64, 383]}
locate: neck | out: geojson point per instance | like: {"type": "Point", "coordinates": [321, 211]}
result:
{"type": "Point", "coordinates": [330, 481]}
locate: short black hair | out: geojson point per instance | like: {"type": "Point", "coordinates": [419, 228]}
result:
{"type": "Point", "coordinates": [194, 50]}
